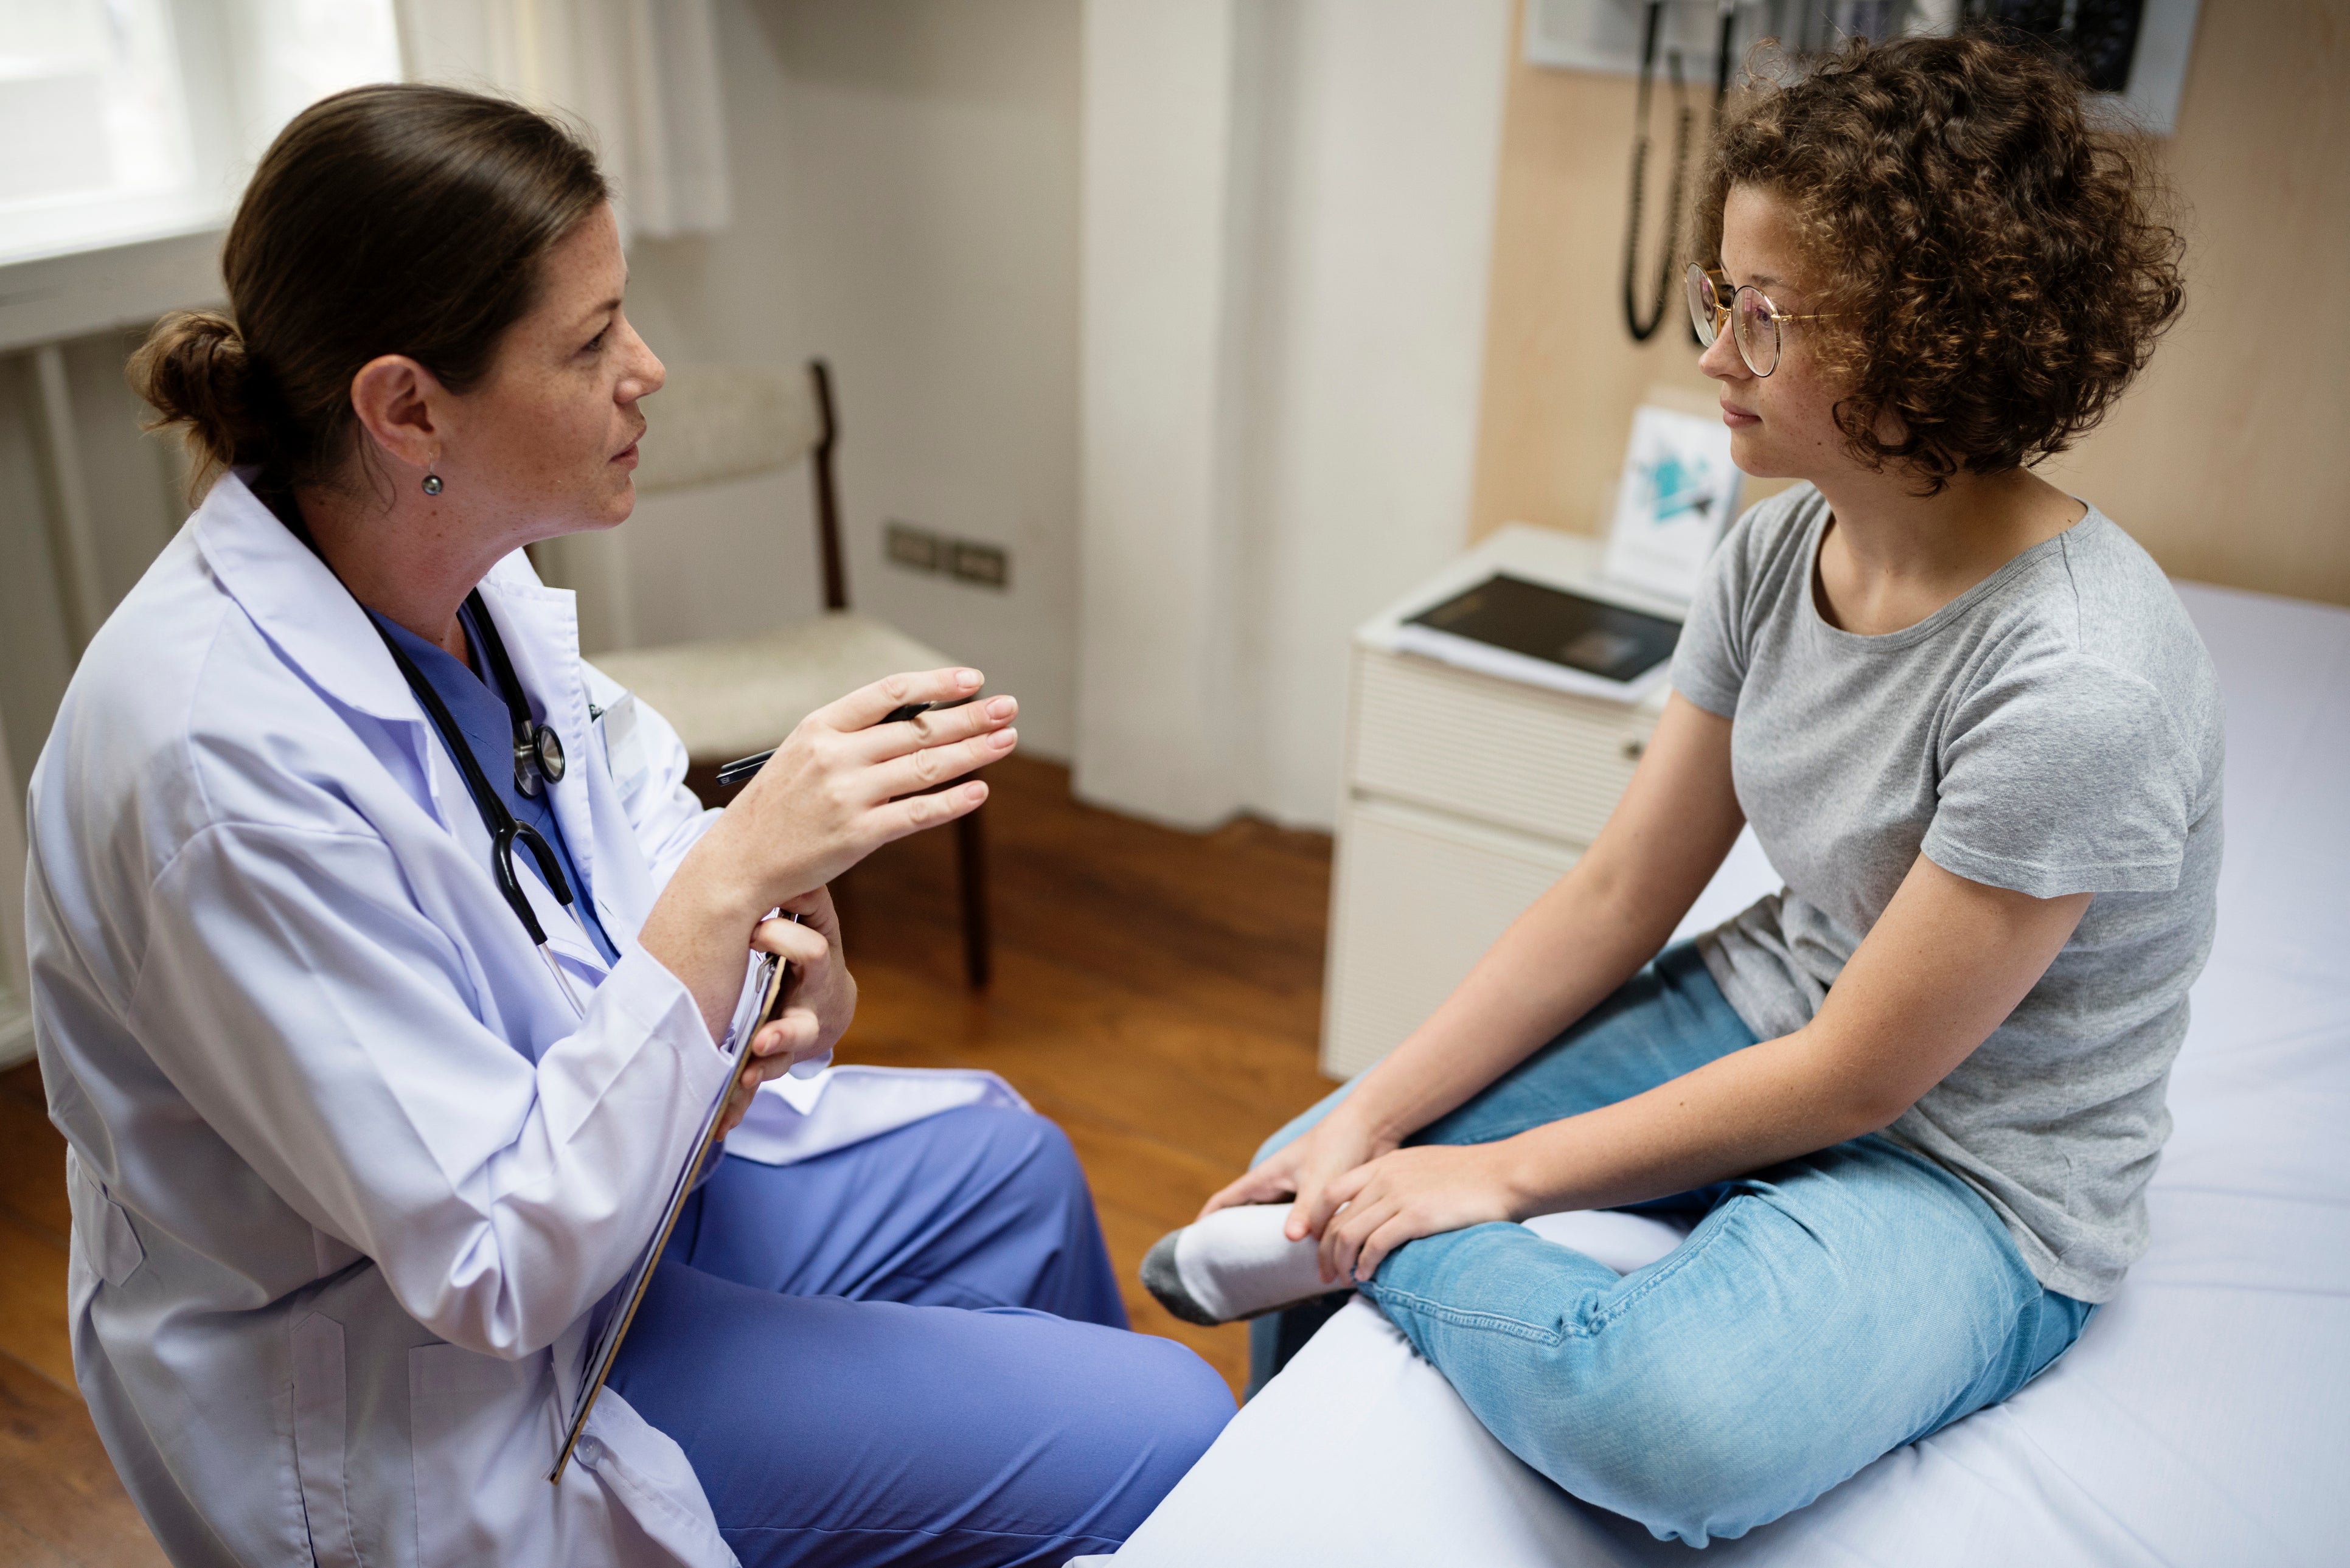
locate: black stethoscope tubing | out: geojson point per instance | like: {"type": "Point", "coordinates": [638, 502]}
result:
{"type": "Point", "coordinates": [504, 830]}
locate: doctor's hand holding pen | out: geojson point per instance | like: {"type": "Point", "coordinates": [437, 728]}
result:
{"type": "Point", "coordinates": [843, 784]}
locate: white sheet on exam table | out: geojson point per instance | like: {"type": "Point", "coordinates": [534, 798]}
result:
{"type": "Point", "coordinates": [2204, 1418]}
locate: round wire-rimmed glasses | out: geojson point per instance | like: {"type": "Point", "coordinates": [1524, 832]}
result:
{"type": "Point", "coordinates": [1754, 319]}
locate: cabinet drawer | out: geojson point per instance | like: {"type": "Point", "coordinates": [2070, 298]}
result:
{"type": "Point", "coordinates": [1417, 898]}
{"type": "Point", "coordinates": [1545, 763]}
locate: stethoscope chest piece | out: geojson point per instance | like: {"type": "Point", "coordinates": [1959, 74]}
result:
{"type": "Point", "coordinates": [538, 753]}
{"type": "Point", "coordinates": [537, 749]}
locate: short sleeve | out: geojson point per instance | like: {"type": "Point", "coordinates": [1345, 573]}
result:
{"type": "Point", "coordinates": [1709, 660]}
{"type": "Point", "coordinates": [2062, 775]}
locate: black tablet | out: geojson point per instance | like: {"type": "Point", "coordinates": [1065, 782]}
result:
{"type": "Point", "coordinates": [1600, 639]}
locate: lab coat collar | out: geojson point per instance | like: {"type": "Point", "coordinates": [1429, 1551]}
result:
{"type": "Point", "coordinates": [297, 603]}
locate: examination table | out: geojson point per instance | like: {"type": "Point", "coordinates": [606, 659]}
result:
{"type": "Point", "coordinates": [2203, 1418]}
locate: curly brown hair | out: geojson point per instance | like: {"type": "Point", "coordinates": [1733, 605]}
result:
{"type": "Point", "coordinates": [2001, 267]}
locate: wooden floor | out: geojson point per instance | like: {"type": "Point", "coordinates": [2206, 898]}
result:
{"type": "Point", "coordinates": [59, 1503]}
{"type": "Point", "coordinates": [1156, 993]}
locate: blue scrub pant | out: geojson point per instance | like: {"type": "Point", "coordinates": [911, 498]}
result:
{"type": "Point", "coordinates": [1823, 1312]}
{"type": "Point", "coordinates": [912, 1351]}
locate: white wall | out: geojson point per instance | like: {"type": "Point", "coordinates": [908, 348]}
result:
{"type": "Point", "coordinates": [1288, 226]}
{"type": "Point", "coordinates": [905, 179]}
{"type": "Point", "coordinates": [1169, 150]}
{"type": "Point", "coordinates": [1286, 208]}
{"type": "Point", "coordinates": [1368, 409]}
{"type": "Point", "coordinates": [1283, 209]}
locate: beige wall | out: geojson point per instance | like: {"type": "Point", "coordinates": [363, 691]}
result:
{"type": "Point", "coordinates": [1288, 215]}
{"type": "Point", "coordinates": [905, 176]}
{"type": "Point", "coordinates": [2228, 461]}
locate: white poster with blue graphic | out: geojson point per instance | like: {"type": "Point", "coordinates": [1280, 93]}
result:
{"type": "Point", "coordinates": [1678, 492]}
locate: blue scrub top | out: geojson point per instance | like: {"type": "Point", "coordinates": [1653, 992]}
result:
{"type": "Point", "coordinates": [482, 719]}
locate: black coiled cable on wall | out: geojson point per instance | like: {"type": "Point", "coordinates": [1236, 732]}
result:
{"type": "Point", "coordinates": [1644, 324]}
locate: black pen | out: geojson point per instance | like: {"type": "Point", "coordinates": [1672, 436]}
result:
{"type": "Point", "coordinates": [740, 770]}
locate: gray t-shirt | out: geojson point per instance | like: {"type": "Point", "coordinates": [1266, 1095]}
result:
{"type": "Point", "coordinates": [2055, 729]}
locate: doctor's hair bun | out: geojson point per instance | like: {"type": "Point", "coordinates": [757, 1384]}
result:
{"type": "Point", "coordinates": [398, 219]}
{"type": "Point", "coordinates": [194, 370]}
{"type": "Point", "coordinates": [1998, 264]}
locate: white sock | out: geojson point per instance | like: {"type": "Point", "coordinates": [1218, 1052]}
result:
{"type": "Point", "coordinates": [1236, 1263]}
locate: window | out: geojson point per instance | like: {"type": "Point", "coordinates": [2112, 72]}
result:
{"type": "Point", "coordinates": [129, 120]}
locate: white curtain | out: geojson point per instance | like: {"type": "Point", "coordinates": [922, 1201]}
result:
{"type": "Point", "coordinates": [641, 75]}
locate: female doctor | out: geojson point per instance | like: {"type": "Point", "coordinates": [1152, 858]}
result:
{"type": "Point", "coordinates": [382, 970]}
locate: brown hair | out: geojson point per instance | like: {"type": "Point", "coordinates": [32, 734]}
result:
{"type": "Point", "coordinates": [2001, 268]}
{"type": "Point", "coordinates": [384, 220]}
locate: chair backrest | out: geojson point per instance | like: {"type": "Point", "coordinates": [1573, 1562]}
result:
{"type": "Point", "coordinates": [713, 423]}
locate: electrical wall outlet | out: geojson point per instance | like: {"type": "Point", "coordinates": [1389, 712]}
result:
{"type": "Point", "coordinates": [919, 549]}
{"type": "Point", "coordinates": [990, 565]}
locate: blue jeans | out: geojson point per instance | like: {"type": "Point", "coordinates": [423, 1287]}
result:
{"type": "Point", "coordinates": [912, 1351]}
{"type": "Point", "coordinates": [1823, 1312]}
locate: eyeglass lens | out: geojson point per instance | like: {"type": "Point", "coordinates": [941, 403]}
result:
{"type": "Point", "coordinates": [1703, 303]}
{"type": "Point", "coordinates": [1752, 323]}
{"type": "Point", "coordinates": [1751, 317]}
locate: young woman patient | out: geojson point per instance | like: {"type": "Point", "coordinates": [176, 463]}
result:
{"type": "Point", "coordinates": [1911, 1101]}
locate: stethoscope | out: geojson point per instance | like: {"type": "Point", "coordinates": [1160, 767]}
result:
{"type": "Point", "coordinates": [537, 762]}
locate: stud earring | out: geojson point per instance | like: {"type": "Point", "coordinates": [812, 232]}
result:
{"type": "Point", "coordinates": [431, 483]}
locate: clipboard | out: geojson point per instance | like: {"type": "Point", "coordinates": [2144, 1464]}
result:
{"type": "Point", "coordinates": [603, 1351]}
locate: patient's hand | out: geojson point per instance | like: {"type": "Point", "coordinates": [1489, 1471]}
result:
{"type": "Point", "coordinates": [1305, 1169]}
{"type": "Point", "coordinates": [1414, 1192]}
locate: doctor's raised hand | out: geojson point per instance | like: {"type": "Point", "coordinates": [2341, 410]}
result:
{"type": "Point", "coordinates": [381, 964]}
{"type": "Point", "coordinates": [842, 784]}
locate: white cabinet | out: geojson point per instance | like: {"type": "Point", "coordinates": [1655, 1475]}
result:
{"type": "Point", "coordinates": [1466, 797]}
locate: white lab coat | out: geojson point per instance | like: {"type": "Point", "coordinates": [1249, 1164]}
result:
{"type": "Point", "coordinates": [349, 1174]}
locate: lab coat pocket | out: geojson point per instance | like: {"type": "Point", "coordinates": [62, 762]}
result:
{"type": "Point", "coordinates": [320, 1411]}
{"type": "Point", "coordinates": [109, 1242]}
{"type": "Point", "coordinates": [625, 757]}
{"type": "Point", "coordinates": [479, 1429]}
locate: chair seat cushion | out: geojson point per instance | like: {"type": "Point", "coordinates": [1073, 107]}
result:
{"type": "Point", "coordinates": [730, 698]}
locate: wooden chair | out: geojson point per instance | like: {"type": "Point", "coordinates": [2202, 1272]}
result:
{"type": "Point", "coordinates": [731, 698]}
